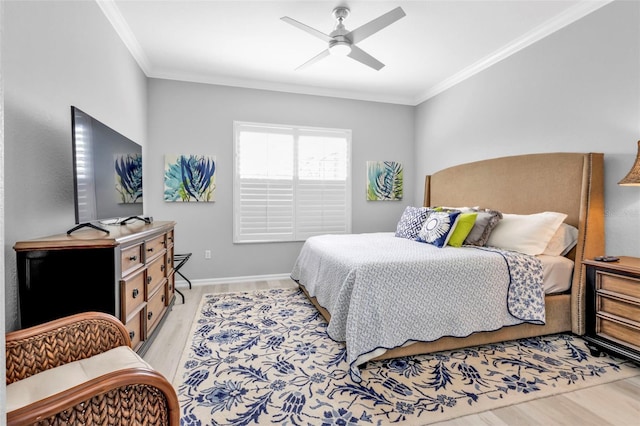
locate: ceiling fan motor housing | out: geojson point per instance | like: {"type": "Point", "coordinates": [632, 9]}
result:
{"type": "Point", "coordinates": [340, 13]}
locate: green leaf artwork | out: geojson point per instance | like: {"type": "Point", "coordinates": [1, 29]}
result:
{"type": "Point", "coordinates": [384, 180]}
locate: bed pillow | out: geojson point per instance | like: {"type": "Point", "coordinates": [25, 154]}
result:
{"type": "Point", "coordinates": [565, 238]}
{"type": "Point", "coordinates": [528, 234]}
{"type": "Point", "coordinates": [485, 222]}
{"type": "Point", "coordinates": [438, 227]}
{"type": "Point", "coordinates": [411, 222]}
{"type": "Point", "coordinates": [459, 209]}
{"type": "Point", "coordinates": [463, 228]}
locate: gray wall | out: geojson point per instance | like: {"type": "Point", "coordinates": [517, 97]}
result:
{"type": "Point", "coordinates": [191, 118]}
{"type": "Point", "coordinates": [57, 54]}
{"type": "Point", "coordinates": [577, 90]}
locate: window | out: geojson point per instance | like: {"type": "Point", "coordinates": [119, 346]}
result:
{"type": "Point", "coordinates": [290, 182]}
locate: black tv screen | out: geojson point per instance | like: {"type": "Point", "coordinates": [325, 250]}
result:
{"type": "Point", "coordinates": [107, 172]}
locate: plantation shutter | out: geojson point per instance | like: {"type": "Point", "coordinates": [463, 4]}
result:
{"type": "Point", "coordinates": [290, 183]}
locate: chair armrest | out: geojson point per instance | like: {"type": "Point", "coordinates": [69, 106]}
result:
{"type": "Point", "coordinates": [41, 347]}
{"type": "Point", "coordinates": [131, 396]}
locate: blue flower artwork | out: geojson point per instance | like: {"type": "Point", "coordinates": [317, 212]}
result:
{"type": "Point", "coordinates": [189, 178]}
{"type": "Point", "coordinates": [128, 169]}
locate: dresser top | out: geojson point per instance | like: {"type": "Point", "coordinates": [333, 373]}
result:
{"type": "Point", "coordinates": [92, 238]}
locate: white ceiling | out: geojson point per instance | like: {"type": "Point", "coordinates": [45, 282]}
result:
{"type": "Point", "coordinates": [244, 43]}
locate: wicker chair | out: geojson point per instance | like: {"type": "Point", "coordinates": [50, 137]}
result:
{"type": "Point", "coordinates": [81, 370]}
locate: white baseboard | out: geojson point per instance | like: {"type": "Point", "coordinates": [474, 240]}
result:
{"type": "Point", "coordinates": [231, 280]}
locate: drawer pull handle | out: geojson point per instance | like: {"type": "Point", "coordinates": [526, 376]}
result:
{"type": "Point", "coordinates": [149, 315]}
{"type": "Point", "coordinates": [170, 239]}
{"type": "Point", "coordinates": [135, 293]}
{"type": "Point", "coordinates": [162, 298]}
{"type": "Point", "coordinates": [133, 258]}
{"type": "Point", "coordinates": [150, 249]}
{"type": "Point", "coordinates": [162, 267]}
{"type": "Point", "coordinates": [132, 334]}
{"type": "Point", "coordinates": [149, 279]}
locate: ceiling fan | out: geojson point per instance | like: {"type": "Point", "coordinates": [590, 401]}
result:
{"type": "Point", "coordinates": [343, 42]}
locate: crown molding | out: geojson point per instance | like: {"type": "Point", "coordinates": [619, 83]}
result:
{"type": "Point", "coordinates": [569, 16]}
{"type": "Point", "coordinates": [554, 24]}
{"type": "Point", "coordinates": [113, 14]}
{"type": "Point", "coordinates": [285, 87]}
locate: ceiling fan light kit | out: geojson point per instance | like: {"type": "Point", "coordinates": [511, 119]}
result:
{"type": "Point", "coordinates": [342, 42]}
{"type": "Point", "coordinates": [340, 48]}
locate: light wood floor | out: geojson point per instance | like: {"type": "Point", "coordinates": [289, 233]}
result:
{"type": "Point", "coordinates": [615, 403]}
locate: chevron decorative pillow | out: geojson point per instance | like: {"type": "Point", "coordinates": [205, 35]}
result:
{"type": "Point", "coordinates": [411, 222]}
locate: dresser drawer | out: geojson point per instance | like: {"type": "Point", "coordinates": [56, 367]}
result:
{"type": "Point", "coordinates": [169, 259]}
{"type": "Point", "coordinates": [155, 308]}
{"type": "Point", "coordinates": [155, 246]}
{"type": "Point", "coordinates": [171, 288]}
{"type": "Point", "coordinates": [626, 286]}
{"type": "Point", "coordinates": [131, 259]}
{"type": "Point", "coordinates": [156, 273]}
{"type": "Point", "coordinates": [613, 330]}
{"type": "Point", "coordinates": [135, 328]}
{"type": "Point", "coordinates": [132, 294]}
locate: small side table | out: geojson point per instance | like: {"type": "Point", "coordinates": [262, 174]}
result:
{"type": "Point", "coordinates": [613, 306]}
{"type": "Point", "coordinates": [179, 260]}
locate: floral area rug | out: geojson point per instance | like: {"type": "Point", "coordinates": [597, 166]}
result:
{"type": "Point", "coordinates": [265, 358]}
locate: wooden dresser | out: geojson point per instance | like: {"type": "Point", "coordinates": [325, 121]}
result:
{"type": "Point", "coordinates": [613, 306]}
{"type": "Point", "coordinates": [128, 273]}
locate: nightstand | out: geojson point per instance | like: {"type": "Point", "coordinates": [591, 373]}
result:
{"type": "Point", "coordinates": [613, 306]}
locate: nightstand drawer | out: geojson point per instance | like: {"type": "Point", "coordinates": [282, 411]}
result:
{"type": "Point", "coordinates": [627, 286]}
{"type": "Point", "coordinates": [620, 308]}
{"type": "Point", "coordinates": [613, 330]}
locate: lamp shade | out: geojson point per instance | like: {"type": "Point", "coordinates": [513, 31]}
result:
{"type": "Point", "coordinates": [633, 177]}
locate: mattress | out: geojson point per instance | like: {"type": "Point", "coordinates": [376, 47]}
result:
{"type": "Point", "coordinates": [557, 272]}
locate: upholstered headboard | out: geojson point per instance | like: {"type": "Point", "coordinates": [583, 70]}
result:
{"type": "Point", "coordinates": [570, 183]}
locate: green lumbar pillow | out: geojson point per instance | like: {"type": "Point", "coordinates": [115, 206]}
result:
{"type": "Point", "coordinates": [462, 229]}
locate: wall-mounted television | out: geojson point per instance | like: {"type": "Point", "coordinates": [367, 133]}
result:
{"type": "Point", "coordinates": [107, 174]}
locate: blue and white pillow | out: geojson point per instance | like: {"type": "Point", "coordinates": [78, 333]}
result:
{"type": "Point", "coordinates": [438, 227]}
{"type": "Point", "coordinates": [411, 222]}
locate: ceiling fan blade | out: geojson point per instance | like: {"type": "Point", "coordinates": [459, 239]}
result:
{"type": "Point", "coordinates": [376, 25]}
{"type": "Point", "coordinates": [303, 27]}
{"type": "Point", "coordinates": [362, 56]}
{"type": "Point", "coordinates": [315, 59]}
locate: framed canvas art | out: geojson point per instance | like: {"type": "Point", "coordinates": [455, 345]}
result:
{"type": "Point", "coordinates": [384, 180]}
{"type": "Point", "coordinates": [189, 178]}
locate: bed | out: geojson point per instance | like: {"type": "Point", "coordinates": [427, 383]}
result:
{"type": "Point", "coordinates": [567, 183]}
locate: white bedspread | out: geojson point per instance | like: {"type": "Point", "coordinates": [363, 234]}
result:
{"type": "Point", "coordinates": [383, 292]}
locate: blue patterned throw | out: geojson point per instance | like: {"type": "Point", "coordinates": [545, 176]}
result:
{"type": "Point", "coordinates": [265, 358]}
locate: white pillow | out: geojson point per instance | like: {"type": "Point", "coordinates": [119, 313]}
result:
{"type": "Point", "coordinates": [528, 234]}
{"type": "Point", "coordinates": [565, 238]}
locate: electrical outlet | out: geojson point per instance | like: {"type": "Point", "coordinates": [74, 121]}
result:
{"type": "Point", "coordinates": [207, 254]}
